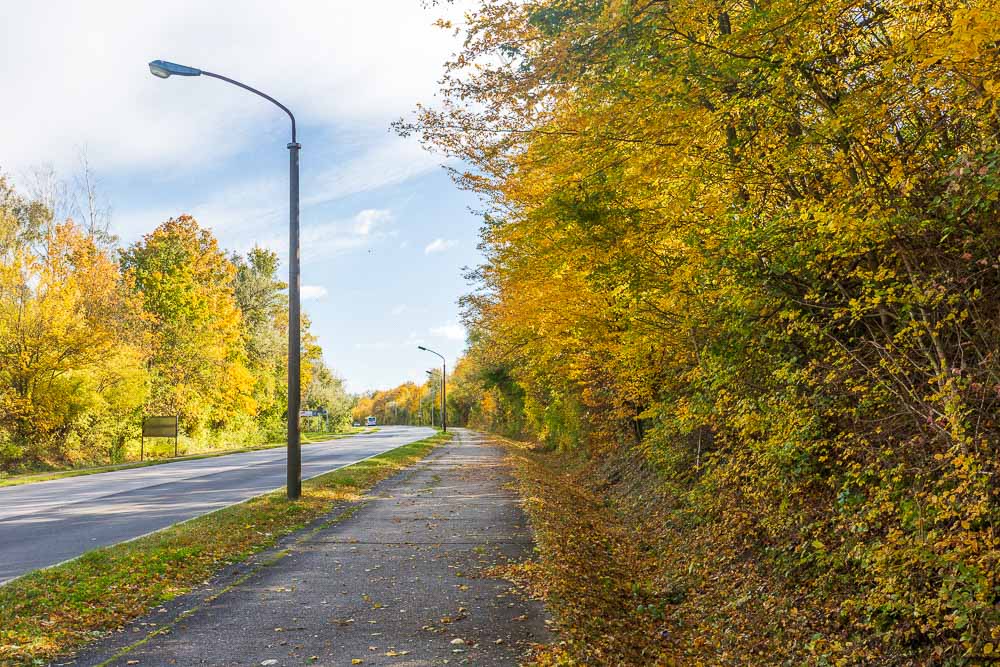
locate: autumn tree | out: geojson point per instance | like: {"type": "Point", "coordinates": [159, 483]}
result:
{"type": "Point", "coordinates": [263, 307]}
{"type": "Point", "coordinates": [93, 339]}
{"type": "Point", "coordinates": [407, 403]}
{"type": "Point", "coordinates": [72, 344]}
{"type": "Point", "coordinates": [325, 392]}
{"type": "Point", "coordinates": [199, 359]}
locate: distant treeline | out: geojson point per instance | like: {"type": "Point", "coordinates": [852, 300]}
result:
{"type": "Point", "coordinates": [409, 403]}
{"type": "Point", "coordinates": [94, 336]}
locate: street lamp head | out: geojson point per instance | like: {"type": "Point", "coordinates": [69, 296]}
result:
{"type": "Point", "coordinates": [421, 347]}
{"type": "Point", "coordinates": [164, 69]}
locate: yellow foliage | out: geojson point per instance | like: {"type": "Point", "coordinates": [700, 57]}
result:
{"type": "Point", "coordinates": [758, 244]}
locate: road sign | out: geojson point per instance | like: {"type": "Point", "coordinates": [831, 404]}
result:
{"type": "Point", "coordinates": [158, 427]}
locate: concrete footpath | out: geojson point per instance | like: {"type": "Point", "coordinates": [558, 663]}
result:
{"type": "Point", "coordinates": [399, 582]}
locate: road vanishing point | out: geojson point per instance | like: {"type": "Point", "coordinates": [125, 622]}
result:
{"type": "Point", "coordinates": [46, 523]}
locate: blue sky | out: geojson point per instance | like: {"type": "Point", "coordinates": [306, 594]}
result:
{"type": "Point", "coordinates": [385, 233]}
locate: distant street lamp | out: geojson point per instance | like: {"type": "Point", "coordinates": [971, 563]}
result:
{"type": "Point", "coordinates": [164, 70]}
{"type": "Point", "coordinates": [444, 387]}
{"type": "Point", "coordinates": [430, 377]}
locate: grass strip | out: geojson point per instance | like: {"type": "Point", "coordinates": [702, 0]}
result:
{"type": "Point", "coordinates": [307, 439]}
{"type": "Point", "coordinates": [52, 612]}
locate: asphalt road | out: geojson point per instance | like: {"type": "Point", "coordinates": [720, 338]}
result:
{"type": "Point", "coordinates": [46, 523]}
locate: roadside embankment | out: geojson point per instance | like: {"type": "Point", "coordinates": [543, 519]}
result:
{"type": "Point", "coordinates": [635, 576]}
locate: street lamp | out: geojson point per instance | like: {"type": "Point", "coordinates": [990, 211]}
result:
{"type": "Point", "coordinates": [430, 377]}
{"type": "Point", "coordinates": [444, 387]}
{"type": "Point", "coordinates": [164, 70]}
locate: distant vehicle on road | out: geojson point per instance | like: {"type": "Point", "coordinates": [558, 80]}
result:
{"type": "Point", "coordinates": [356, 424]}
{"type": "Point", "coordinates": [370, 421]}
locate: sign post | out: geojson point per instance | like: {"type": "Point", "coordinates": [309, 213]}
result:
{"type": "Point", "coordinates": [158, 427]}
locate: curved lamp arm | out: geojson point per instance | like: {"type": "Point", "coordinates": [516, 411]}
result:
{"type": "Point", "coordinates": [256, 92]}
{"type": "Point", "coordinates": [427, 349]}
{"type": "Point", "coordinates": [164, 69]}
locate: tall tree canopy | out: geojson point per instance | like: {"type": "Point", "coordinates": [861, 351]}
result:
{"type": "Point", "coordinates": [756, 242]}
{"type": "Point", "coordinates": [72, 341]}
{"type": "Point", "coordinates": [186, 283]}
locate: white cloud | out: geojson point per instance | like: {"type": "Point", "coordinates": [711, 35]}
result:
{"type": "Point", "coordinates": [310, 292]}
{"type": "Point", "coordinates": [366, 220]}
{"type": "Point", "coordinates": [349, 64]}
{"type": "Point", "coordinates": [241, 215]}
{"type": "Point", "coordinates": [440, 245]}
{"type": "Point", "coordinates": [326, 239]}
{"type": "Point", "coordinates": [256, 213]}
{"type": "Point", "coordinates": [451, 331]}
{"type": "Point", "coordinates": [388, 163]}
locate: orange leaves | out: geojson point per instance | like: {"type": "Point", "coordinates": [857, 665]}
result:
{"type": "Point", "coordinates": [409, 403]}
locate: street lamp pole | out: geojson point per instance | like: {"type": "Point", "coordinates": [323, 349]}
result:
{"type": "Point", "coordinates": [164, 70]}
{"type": "Point", "coordinates": [430, 377]}
{"type": "Point", "coordinates": [294, 467]}
{"type": "Point", "coordinates": [444, 387]}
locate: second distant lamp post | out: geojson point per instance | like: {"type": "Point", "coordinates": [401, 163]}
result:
{"type": "Point", "coordinates": [165, 70]}
{"type": "Point", "coordinates": [444, 387]}
{"type": "Point", "coordinates": [430, 378]}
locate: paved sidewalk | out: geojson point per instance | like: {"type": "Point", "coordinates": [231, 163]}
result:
{"type": "Point", "coordinates": [399, 583]}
